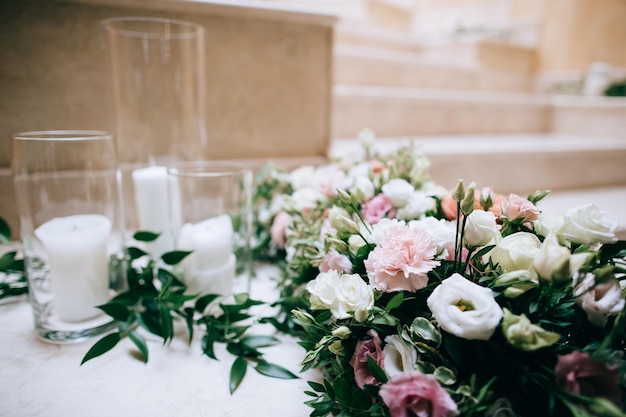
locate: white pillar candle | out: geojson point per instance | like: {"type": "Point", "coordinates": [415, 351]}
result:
{"type": "Point", "coordinates": [212, 259]}
{"type": "Point", "coordinates": [79, 269]}
{"type": "Point", "coordinates": [151, 201]}
{"type": "Point", "coordinates": [216, 280]}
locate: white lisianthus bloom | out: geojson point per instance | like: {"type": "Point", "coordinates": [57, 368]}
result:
{"type": "Point", "coordinates": [433, 189]}
{"type": "Point", "coordinates": [465, 309]}
{"type": "Point", "coordinates": [588, 225]}
{"type": "Point", "coordinates": [363, 188]}
{"type": "Point", "coordinates": [481, 228]}
{"type": "Point", "coordinates": [442, 231]}
{"type": "Point", "coordinates": [399, 356]}
{"type": "Point", "coordinates": [355, 296]}
{"type": "Point", "coordinates": [552, 262]}
{"type": "Point", "coordinates": [306, 198]}
{"type": "Point", "coordinates": [381, 229]}
{"type": "Point", "coordinates": [418, 204]}
{"type": "Point", "coordinates": [516, 252]}
{"type": "Point", "coordinates": [341, 294]}
{"type": "Point", "coordinates": [303, 177]}
{"type": "Point", "coordinates": [599, 301]}
{"type": "Point", "coordinates": [277, 204]}
{"type": "Point", "coordinates": [399, 191]}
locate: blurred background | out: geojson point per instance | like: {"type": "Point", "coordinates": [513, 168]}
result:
{"type": "Point", "coordinates": [514, 94]}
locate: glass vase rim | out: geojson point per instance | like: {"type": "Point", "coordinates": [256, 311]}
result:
{"type": "Point", "coordinates": [194, 29]}
{"type": "Point", "coordinates": [63, 135]}
{"type": "Point", "coordinates": [208, 169]}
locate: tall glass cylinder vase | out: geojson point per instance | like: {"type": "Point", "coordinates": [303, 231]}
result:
{"type": "Point", "coordinates": [67, 196]}
{"type": "Point", "coordinates": [158, 73]}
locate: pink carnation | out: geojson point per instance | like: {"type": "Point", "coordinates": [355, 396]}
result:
{"type": "Point", "coordinates": [364, 348]}
{"type": "Point", "coordinates": [515, 207]}
{"type": "Point", "coordinates": [417, 394]}
{"type": "Point", "coordinates": [277, 231]}
{"type": "Point", "coordinates": [335, 260]}
{"type": "Point", "coordinates": [579, 374]}
{"type": "Point", "coordinates": [377, 208]}
{"type": "Point", "coordinates": [402, 260]}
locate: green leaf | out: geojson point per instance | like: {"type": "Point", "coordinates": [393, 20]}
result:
{"type": "Point", "coordinates": [7, 260]}
{"type": "Point", "coordinates": [376, 370]}
{"type": "Point", "coordinates": [135, 253]}
{"type": "Point", "coordinates": [140, 342]}
{"type": "Point", "coordinates": [317, 387]}
{"type": "Point", "coordinates": [395, 302]}
{"type": "Point", "coordinates": [167, 324]}
{"type": "Point", "coordinates": [118, 311]}
{"type": "Point", "coordinates": [237, 372]}
{"type": "Point", "coordinates": [274, 371]}
{"type": "Point", "coordinates": [174, 257]}
{"type": "Point", "coordinates": [144, 236]}
{"type": "Point", "coordinates": [168, 278]}
{"type": "Point", "coordinates": [102, 346]}
{"type": "Point", "coordinates": [5, 231]}
{"type": "Point", "coordinates": [254, 342]}
{"type": "Point", "coordinates": [204, 301]}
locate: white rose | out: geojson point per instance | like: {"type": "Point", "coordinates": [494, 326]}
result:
{"type": "Point", "coordinates": [481, 228]}
{"type": "Point", "coordinates": [465, 309]}
{"type": "Point", "coordinates": [399, 356]}
{"type": "Point", "coordinates": [552, 262]}
{"type": "Point", "coordinates": [588, 225]}
{"type": "Point", "coordinates": [354, 295]}
{"type": "Point", "coordinates": [303, 177]}
{"type": "Point", "coordinates": [363, 189]}
{"type": "Point", "coordinates": [442, 231]}
{"type": "Point", "coordinates": [419, 171]}
{"type": "Point", "coordinates": [418, 204]}
{"type": "Point", "coordinates": [599, 300]}
{"type": "Point", "coordinates": [516, 251]}
{"type": "Point", "coordinates": [323, 290]}
{"type": "Point", "coordinates": [550, 224]}
{"type": "Point", "coordinates": [399, 191]}
{"type": "Point", "coordinates": [360, 170]}
{"type": "Point", "coordinates": [306, 198]}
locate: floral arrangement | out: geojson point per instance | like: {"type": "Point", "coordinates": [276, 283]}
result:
{"type": "Point", "coordinates": [417, 300]}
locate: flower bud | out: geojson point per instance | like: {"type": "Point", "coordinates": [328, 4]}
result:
{"type": "Point", "coordinates": [516, 283]}
{"type": "Point", "coordinates": [524, 335]}
{"type": "Point", "coordinates": [303, 317]}
{"type": "Point", "coordinates": [336, 347]}
{"type": "Point", "coordinates": [342, 332]}
{"type": "Point", "coordinates": [467, 205]}
{"type": "Point", "coordinates": [459, 191]}
{"type": "Point", "coordinates": [344, 196]}
{"type": "Point", "coordinates": [338, 244]}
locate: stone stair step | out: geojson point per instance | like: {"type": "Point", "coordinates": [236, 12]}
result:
{"type": "Point", "coordinates": [392, 111]}
{"type": "Point", "coordinates": [359, 65]}
{"type": "Point", "coordinates": [519, 163]}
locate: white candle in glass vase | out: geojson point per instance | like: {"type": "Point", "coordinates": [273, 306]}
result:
{"type": "Point", "coordinates": [76, 248]}
{"type": "Point", "coordinates": [151, 201]}
{"type": "Point", "coordinates": [211, 266]}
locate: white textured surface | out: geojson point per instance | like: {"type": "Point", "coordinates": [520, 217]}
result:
{"type": "Point", "coordinates": [42, 379]}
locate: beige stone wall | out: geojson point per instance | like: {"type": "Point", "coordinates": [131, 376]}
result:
{"type": "Point", "coordinates": [578, 32]}
{"type": "Point", "coordinates": [268, 75]}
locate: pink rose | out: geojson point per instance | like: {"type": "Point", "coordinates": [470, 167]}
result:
{"type": "Point", "coordinates": [377, 208]}
{"type": "Point", "coordinates": [364, 348]}
{"type": "Point", "coordinates": [277, 231]}
{"type": "Point", "coordinates": [417, 394]}
{"type": "Point", "coordinates": [579, 374]}
{"type": "Point", "coordinates": [515, 207]}
{"type": "Point", "coordinates": [402, 260]}
{"type": "Point", "coordinates": [332, 177]}
{"type": "Point", "coordinates": [335, 260]}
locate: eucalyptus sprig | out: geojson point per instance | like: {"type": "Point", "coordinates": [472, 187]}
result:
{"type": "Point", "coordinates": [156, 299]}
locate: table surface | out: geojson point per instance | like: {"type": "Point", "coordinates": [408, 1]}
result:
{"type": "Point", "coordinates": [38, 378]}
